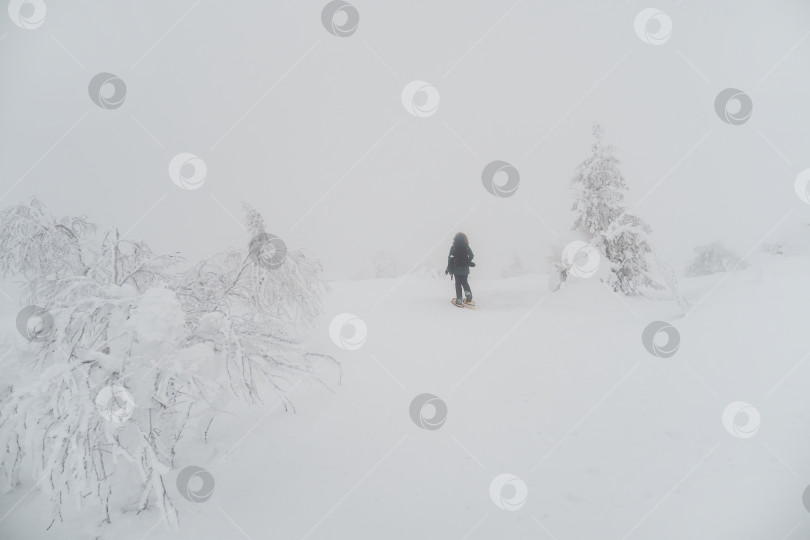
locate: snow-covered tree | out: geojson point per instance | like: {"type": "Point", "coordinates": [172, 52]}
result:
{"type": "Point", "coordinates": [385, 265]}
{"type": "Point", "coordinates": [429, 271]}
{"type": "Point", "coordinates": [627, 249]}
{"type": "Point", "coordinates": [137, 355]}
{"type": "Point", "coordinates": [599, 188]}
{"type": "Point", "coordinates": [713, 258]}
{"type": "Point", "coordinates": [254, 306]}
{"type": "Point", "coordinates": [515, 267]}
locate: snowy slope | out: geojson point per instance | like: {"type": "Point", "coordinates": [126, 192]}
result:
{"type": "Point", "coordinates": [556, 389]}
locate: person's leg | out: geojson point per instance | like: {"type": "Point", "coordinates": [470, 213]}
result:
{"type": "Point", "coordinates": [458, 286]}
{"type": "Point", "coordinates": [465, 284]}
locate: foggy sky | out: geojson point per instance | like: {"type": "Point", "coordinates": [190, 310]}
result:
{"type": "Point", "coordinates": [282, 112]}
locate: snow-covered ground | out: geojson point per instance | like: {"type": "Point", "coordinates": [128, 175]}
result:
{"type": "Point", "coordinates": [556, 389]}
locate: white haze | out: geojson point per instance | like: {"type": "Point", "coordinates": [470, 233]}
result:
{"type": "Point", "coordinates": [547, 70]}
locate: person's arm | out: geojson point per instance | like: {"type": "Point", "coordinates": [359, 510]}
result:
{"type": "Point", "coordinates": [471, 253]}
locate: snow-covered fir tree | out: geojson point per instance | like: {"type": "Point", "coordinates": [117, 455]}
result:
{"type": "Point", "coordinates": [385, 265]}
{"type": "Point", "coordinates": [599, 188]}
{"type": "Point", "coordinates": [515, 267]}
{"type": "Point", "coordinates": [137, 356]}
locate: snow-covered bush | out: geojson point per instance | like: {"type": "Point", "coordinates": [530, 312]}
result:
{"type": "Point", "coordinates": [558, 269]}
{"type": "Point", "coordinates": [578, 259]}
{"type": "Point", "coordinates": [773, 248]}
{"type": "Point", "coordinates": [428, 271]}
{"type": "Point", "coordinates": [599, 188]}
{"type": "Point", "coordinates": [136, 355]}
{"type": "Point", "coordinates": [515, 267]}
{"type": "Point", "coordinates": [672, 283]}
{"type": "Point", "coordinates": [713, 258]}
{"type": "Point", "coordinates": [385, 265]}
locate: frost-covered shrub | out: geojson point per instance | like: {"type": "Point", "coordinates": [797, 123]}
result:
{"type": "Point", "coordinates": [714, 258]}
{"type": "Point", "coordinates": [385, 265]}
{"type": "Point", "coordinates": [557, 271]}
{"type": "Point", "coordinates": [515, 268]}
{"type": "Point", "coordinates": [428, 271]}
{"type": "Point", "coordinates": [774, 248]}
{"type": "Point", "coordinates": [138, 355]}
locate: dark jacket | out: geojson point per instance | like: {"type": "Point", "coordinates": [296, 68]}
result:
{"type": "Point", "coordinates": [460, 259]}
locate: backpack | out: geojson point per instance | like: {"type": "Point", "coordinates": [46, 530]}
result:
{"type": "Point", "coordinates": [460, 259]}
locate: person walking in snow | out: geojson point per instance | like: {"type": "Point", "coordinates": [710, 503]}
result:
{"type": "Point", "coordinates": [459, 262]}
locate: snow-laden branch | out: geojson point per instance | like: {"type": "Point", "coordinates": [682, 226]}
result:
{"type": "Point", "coordinates": [138, 355]}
